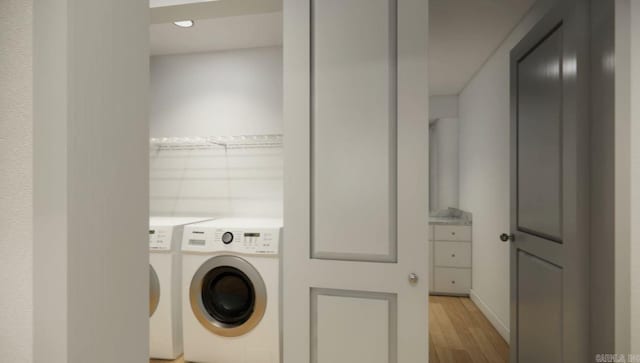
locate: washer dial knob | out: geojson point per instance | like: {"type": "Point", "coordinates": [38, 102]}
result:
{"type": "Point", "coordinates": [227, 238]}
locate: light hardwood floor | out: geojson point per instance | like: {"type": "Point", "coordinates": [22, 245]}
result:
{"type": "Point", "coordinates": [458, 333]}
{"type": "Point", "coordinates": [179, 360]}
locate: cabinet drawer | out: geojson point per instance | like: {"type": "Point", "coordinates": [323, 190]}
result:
{"type": "Point", "coordinates": [452, 254]}
{"type": "Point", "coordinates": [452, 280]}
{"type": "Point", "coordinates": [452, 233]}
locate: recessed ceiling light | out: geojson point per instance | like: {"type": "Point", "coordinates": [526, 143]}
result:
{"type": "Point", "coordinates": [184, 23]}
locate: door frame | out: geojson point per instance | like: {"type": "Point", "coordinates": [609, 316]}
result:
{"type": "Point", "coordinates": [574, 17]}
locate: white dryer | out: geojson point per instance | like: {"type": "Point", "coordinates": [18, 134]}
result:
{"type": "Point", "coordinates": [165, 322]}
{"type": "Point", "coordinates": [231, 282]}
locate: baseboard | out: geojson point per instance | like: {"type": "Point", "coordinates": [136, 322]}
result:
{"type": "Point", "coordinates": [502, 329]}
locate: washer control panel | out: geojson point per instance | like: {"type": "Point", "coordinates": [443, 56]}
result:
{"type": "Point", "coordinates": [227, 237]}
{"type": "Point", "coordinates": [249, 241]}
{"type": "Point", "coordinates": [160, 238]}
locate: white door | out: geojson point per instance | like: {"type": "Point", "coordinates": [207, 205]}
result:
{"type": "Point", "coordinates": [356, 179]}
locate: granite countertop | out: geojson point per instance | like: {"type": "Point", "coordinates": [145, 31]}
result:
{"type": "Point", "coordinates": [451, 216]}
{"type": "Point", "coordinates": [449, 221]}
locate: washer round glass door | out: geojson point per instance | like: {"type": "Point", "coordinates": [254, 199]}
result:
{"type": "Point", "coordinates": [154, 290]}
{"type": "Point", "coordinates": [228, 296]}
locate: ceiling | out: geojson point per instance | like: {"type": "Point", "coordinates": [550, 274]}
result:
{"type": "Point", "coordinates": [207, 9]}
{"type": "Point", "coordinates": [463, 33]}
{"type": "Point", "coordinates": [237, 32]}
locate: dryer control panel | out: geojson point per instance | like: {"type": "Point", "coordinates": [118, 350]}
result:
{"type": "Point", "coordinates": [160, 238]}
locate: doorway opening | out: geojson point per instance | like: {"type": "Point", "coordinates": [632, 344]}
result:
{"type": "Point", "coordinates": [216, 179]}
{"type": "Point", "coordinates": [511, 166]}
{"type": "Point", "coordinates": [469, 46]}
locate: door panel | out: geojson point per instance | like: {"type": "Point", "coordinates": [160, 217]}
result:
{"type": "Point", "coordinates": [540, 139]}
{"type": "Point", "coordinates": [355, 278]}
{"type": "Point", "coordinates": [550, 189]}
{"type": "Point", "coordinates": [540, 310]}
{"type": "Point", "coordinates": [353, 69]}
{"type": "Point", "coordinates": [353, 326]}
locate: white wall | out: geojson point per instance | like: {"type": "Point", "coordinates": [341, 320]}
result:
{"type": "Point", "coordinates": [217, 182]}
{"type": "Point", "coordinates": [627, 254]}
{"type": "Point", "coordinates": [229, 93]}
{"type": "Point", "coordinates": [91, 181]}
{"type": "Point", "coordinates": [16, 180]}
{"type": "Point", "coordinates": [221, 93]}
{"type": "Point", "coordinates": [443, 106]}
{"type": "Point", "coordinates": [635, 177]}
{"type": "Point", "coordinates": [634, 81]}
{"type": "Point", "coordinates": [628, 75]}
{"type": "Point", "coordinates": [443, 164]}
{"type": "Point", "coordinates": [484, 173]}
{"type": "Point", "coordinates": [443, 152]}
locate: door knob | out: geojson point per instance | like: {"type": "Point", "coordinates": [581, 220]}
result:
{"type": "Point", "coordinates": [413, 278]}
{"type": "Point", "coordinates": [505, 237]}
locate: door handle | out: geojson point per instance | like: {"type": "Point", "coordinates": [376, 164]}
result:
{"type": "Point", "coordinates": [413, 278]}
{"type": "Point", "coordinates": [507, 237]}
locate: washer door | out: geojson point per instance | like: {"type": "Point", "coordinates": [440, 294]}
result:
{"type": "Point", "coordinates": [154, 291]}
{"type": "Point", "coordinates": [228, 296]}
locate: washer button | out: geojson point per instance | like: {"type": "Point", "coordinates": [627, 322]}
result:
{"type": "Point", "coordinates": [227, 238]}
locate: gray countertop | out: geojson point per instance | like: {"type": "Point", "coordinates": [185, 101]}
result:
{"type": "Point", "coordinates": [451, 216]}
{"type": "Point", "coordinates": [449, 221]}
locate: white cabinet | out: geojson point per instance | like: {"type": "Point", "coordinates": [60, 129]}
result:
{"type": "Point", "coordinates": [452, 254]}
{"type": "Point", "coordinates": [455, 281]}
{"type": "Point", "coordinates": [450, 248]}
{"type": "Point", "coordinates": [452, 233]}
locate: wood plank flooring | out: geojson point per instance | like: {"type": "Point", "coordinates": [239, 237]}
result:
{"type": "Point", "coordinates": [179, 360]}
{"type": "Point", "coordinates": [458, 333]}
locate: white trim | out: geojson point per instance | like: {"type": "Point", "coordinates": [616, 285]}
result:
{"type": "Point", "coordinates": [623, 172]}
{"type": "Point", "coordinates": [502, 329]}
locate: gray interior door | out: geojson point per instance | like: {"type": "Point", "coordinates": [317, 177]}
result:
{"type": "Point", "coordinates": [549, 225]}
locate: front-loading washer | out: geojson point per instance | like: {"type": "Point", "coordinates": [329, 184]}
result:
{"type": "Point", "coordinates": [231, 282]}
{"type": "Point", "coordinates": [165, 269]}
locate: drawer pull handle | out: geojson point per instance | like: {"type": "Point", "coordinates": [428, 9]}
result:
{"type": "Point", "coordinates": [453, 282]}
{"type": "Point", "coordinates": [453, 255]}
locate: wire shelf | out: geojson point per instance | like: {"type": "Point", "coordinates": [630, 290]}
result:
{"type": "Point", "coordinates": [213, 142]}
